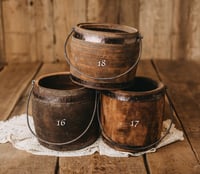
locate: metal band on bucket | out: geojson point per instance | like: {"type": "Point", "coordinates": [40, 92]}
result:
{"type": "Point", "coordinates": [55, 143]}
{"type": "Point", "coordinates": [129, 147]}
{"type": "Point", "coordinates": [139, 37]}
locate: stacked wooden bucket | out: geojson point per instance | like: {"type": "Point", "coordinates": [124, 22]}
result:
{"type": "Point", "coordinates": [100, 95]}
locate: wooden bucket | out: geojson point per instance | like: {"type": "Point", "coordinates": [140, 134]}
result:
{"type": "Point", "coordinates": [131, 119]}
{"type": "Point", "coordinates": [64, 113]}
{"type": "Point", "coordinates": [103, 56]}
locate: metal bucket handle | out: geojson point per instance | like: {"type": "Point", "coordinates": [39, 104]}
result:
{"type": "Point", "coordinates": [132, 148]}
{"type": "Point", "coordinates": [139, 37]}
{"type": "Point", "coordinates": [54, 143]}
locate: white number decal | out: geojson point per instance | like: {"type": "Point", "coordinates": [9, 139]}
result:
{"type": "Point", "coordinates": [134, 123]}
{"type": "Point", "coordinates": [102, 63]}
{"type": "Point", "coordinates": [61, 122]}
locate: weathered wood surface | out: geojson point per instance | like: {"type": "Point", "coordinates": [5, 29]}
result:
{"type": "Point", "coordinates": [170, 159]}
{"type": "Point", "coordinates": [14, 80]}
{"type": "Point", "coordinates": [36, 30]}
{"type": "Point", "coordinates": [2, 48]}
{"type": "Point", "coordinates": [15, 161]}
{"type": "Point", "coordinates": [182, 79]}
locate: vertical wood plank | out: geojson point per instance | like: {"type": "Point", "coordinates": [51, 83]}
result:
{"type": "Point", "coordinates": [176, 51]}
{"type": "Point", "coordinates": [36, 30]}
{"type": "Point", "coordinates": [186, 30]}
{"type": "Point", "coordinates": [103, 11]}
{"type": "Point", "coordinates": [129, 13]}
{"type": "Point", "coordinates": [20, 43]}
{"type": "Point", "coordinates": [2, 49]}
{"type": "Point", "coordinates": [43, 18]}
{"type": "Point", "coordinates": [162, 29]}
{"type": "Point", "coordinates": [155, 25]}
{"type": "Point", "coordinates": [67, 14]}
{"type": "Point", "coordinates": [146, 27]}
{"type": "Point", "coordinates": [193, 23]}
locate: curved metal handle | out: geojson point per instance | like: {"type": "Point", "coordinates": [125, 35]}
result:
{"type": "Point", "coordinates": [133, 148]}
{"type": "Point", "coordinates": [139, 37]}
{"type": "Point", "coordinates": [54, 143]}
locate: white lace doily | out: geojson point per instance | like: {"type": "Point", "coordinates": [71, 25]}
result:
{"type": "Point", "coordinates": [16, 131]}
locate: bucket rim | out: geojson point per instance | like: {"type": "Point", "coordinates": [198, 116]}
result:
{"type": "Point", "coordinates": [127, 95]}
{"type": "Point", "coordinates": [53, 89]}
{"type": "Point", "coordinates": [126, 31]}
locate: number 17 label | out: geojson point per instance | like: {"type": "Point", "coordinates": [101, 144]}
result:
{"type": "Point", "coordinates": [134, 123]}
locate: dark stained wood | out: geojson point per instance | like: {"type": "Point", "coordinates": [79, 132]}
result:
{"type": "Point", "coordinates": [20, 108]}
{"type": "Point", "coordinates": [15, 161]}
{"type": "Point", "coordinates": [182, 79]}
{"type": "Point", "coordinates": [62, 111]}
{"type": "Point", "coordinates": [1, 67]}
{"type": "Point", "coordinates": [102, 164]}
{"type": "Point", "coordinates": [14, 79]}
{"type": "Point", "coordinates": [102, 52]}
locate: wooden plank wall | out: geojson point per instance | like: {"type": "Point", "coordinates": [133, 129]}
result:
{"type": "Point", "coordinates": [35, 30]}
{"type": "Point", "coordinates": [2, 57]}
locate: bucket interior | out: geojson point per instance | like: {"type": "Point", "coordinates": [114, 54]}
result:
{"type": "Point", "coordinates": [142, 84]}
{"type": "Point", "coordinates": [103, 29]}
{"type": "Point", "coordinates": [58, 81]}
{"type": "Point", "coordinates": [108, 28]}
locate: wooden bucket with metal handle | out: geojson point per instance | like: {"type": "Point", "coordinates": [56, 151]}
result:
{"type": "Point", "coordinates": [64, 113]}
{"type": "Point", "coordinates": [103, 56]}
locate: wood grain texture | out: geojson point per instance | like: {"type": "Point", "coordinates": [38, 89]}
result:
{"type": "Point", "coordinates": [170, 159]}
{"type": "Point", "coordinates": [15, 161]}
{"type": "Point", "coordinates": [36, 30]}
{"type": "Point", "coordinates": [103, 11]}
{"type": "Point", "coordinates": [155, 26]}
{"type": "Point", "coordinates": [20, 107]}
{"type": "Point", "coordinates": [20, 43]}
{"type": "Point", "coordinates": [44, 29]}
{"type": "Point", "coordinates": [2, 48]}
{"type": "Point", "coordinates": [184, 85]}
{"type": "Point", "coordinates": [14, 79]}
{"type": "Point", "coordinates": [67, 14]}
{"type": "Point", "coordinates": [182, 79]}
{"type": "Point", "coordinates": [96, 164]}
{"type": "Point", "coordinates": [129, 13]}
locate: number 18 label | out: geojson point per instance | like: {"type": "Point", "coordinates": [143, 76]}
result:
{"type": "Point", "coordinates": [101, 63]}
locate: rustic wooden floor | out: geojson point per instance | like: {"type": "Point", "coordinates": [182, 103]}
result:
{"type": "Point", "coordinates": [183, 81]}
